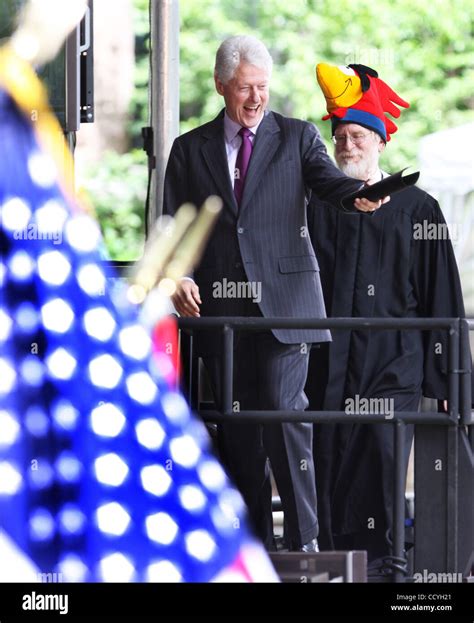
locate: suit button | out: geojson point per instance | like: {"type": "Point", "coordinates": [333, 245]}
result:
{"type": "Point", "coordinates": [238, 265]}
{"type": "Point", "coordinates": [240, 230]}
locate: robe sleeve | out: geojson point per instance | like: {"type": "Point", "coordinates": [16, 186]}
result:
{"type": "Point", "coordinates": [437, 289]}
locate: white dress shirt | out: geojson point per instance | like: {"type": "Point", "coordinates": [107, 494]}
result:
{"type": "Point", "coordinates": [233, 142]}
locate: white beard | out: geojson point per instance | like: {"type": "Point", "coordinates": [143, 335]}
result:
{"type": "Point", "coordinates": [363, 168]}
{"type": "Point", "coordinates": [354, 169]}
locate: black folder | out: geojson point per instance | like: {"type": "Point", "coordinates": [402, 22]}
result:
{"type": "Point", "coordinates": [388, 186]}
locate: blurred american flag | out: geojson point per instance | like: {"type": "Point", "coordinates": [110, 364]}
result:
{"type": "Point", "coordinates": [105, 475]}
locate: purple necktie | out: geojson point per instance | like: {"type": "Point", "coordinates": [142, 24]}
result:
{"type": "Point", "coordinates": [242, 163]}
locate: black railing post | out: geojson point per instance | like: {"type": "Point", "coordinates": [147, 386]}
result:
{"type": "Point", "coordinates": [453, 370]}
{"type": "Point", "coordinates": [452, 458]}
{"type": "Point", "coordinates": [465, 363]}
{"type": "Point", "coordinates": [227, 368]}
{"type": "Point", "coordinates": [189, 377]}
{"type": "Point", "coordinates": [194, 374]}
{"type": "Point", "coordinates": [399, 503]}
{"type": "Point", "coordinates": [470, 326]}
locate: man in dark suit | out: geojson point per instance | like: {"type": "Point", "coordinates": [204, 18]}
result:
{"type": "Point", "coordinates": [259, 261]}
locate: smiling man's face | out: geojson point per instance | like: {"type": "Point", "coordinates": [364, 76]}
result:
{"type": "Point", "coordinates": [246, 95]}
{"type": "Point", "coordinates": [357, 150]}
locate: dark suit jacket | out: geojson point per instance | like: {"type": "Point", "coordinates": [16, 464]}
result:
{"type": "Point", "coordinates": [267, 236]}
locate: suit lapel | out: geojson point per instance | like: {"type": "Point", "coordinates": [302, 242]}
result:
{"type": "Point", "coordinates": [265, 146]}
{"type": "Point", "coordinates": [215, 156]}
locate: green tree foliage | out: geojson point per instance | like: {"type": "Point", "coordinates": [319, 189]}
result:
{"type": "Point", "coordinates": [422, 49]}
{"type": "Point", "coordinates": [139, 103]}
{"type": "Point", "coordinates": [118, 186]}
{"type": "Point", "coordinates": [118, 192]}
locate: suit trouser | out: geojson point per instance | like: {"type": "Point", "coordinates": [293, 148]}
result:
{"type": "Point", "coordinates": [269, 375]}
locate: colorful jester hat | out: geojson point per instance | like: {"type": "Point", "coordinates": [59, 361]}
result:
{"type": "Point", "coordinates": [355, 94]}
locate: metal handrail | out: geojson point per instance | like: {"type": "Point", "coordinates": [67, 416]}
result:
{"type": "Point", "coordinates": [256, 323]}
{"type": "Point", "coordinates": [459, 395]}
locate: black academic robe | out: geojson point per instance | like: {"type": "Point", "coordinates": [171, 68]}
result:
{"type": "Point", "coordinates": [376, 265]}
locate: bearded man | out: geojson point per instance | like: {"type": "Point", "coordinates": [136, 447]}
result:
{"type": "Point", "coordinates": [378, 266]}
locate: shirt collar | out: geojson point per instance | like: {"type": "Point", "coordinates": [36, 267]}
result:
{"type": "Point", "coordinates": [232, 128]}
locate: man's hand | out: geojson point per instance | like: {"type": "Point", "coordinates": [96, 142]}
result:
{"type": "Point", "coordinates": [364, 205]}
{"type": "Point", "coordinates": [186, 299]}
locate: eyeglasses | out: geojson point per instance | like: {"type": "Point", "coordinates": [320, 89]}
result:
{"type": "Point", "coordinates": [356, 139]}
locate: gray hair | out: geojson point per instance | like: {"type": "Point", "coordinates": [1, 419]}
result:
{"type": "Point", "coordinates": [241, 49]}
